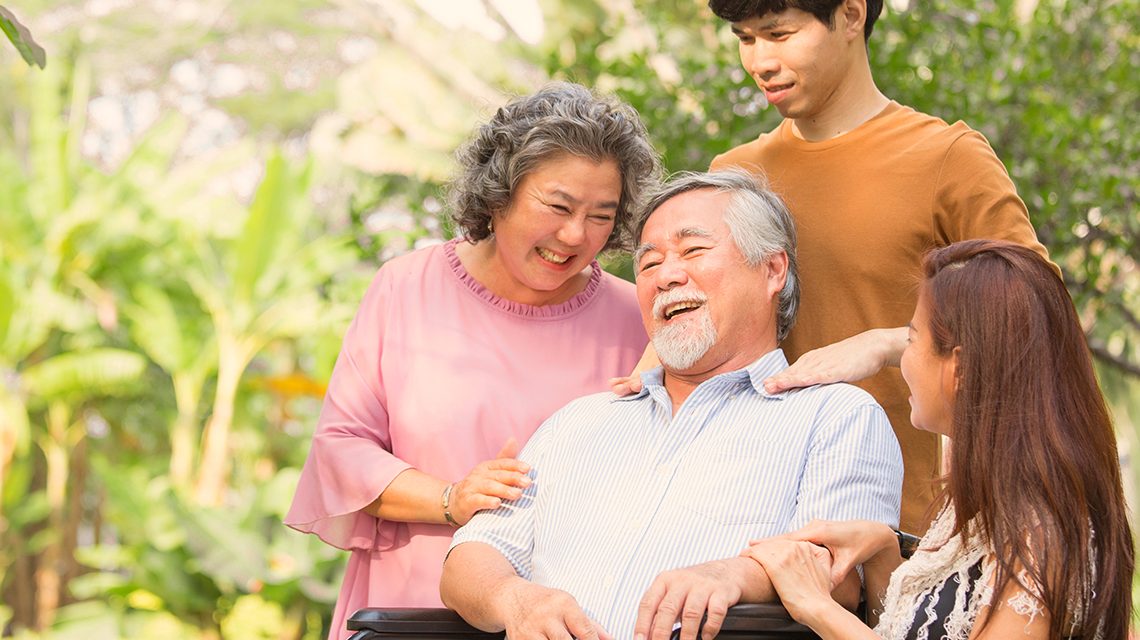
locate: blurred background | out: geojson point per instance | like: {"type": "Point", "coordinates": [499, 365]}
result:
{"type": "Point", "coordinates": [195, 193]}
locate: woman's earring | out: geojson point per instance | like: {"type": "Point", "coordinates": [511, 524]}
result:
{"type": "Point", "coordinates": [491, 225]}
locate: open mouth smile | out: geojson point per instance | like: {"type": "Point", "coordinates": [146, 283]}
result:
{"type": "Point", "coordinates": [550, 256]}
{"type": "Point", "coordinates": [679, 308]}
{"type": "Point", "coordinates": [673, 303]}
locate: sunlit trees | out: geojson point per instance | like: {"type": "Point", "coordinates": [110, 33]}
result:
{"type": "Point", "coordinates": [171, 301]}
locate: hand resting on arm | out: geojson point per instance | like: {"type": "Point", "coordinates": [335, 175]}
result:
{"type": "Point", "coordinates": [806, 585]}
{"type": "Point", "coordinates": [414, 496]}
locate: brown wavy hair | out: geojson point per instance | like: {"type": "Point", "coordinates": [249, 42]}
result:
{"type": "Point", "coordinates": [560, 118]}
{"type": "Point", "coordinates": [1033, 462]}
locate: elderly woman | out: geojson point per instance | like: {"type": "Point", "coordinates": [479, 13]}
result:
{"type": "Point", "coordinates": [1033, 539]}
{"type": "Point", "coordinates": [459, 351]}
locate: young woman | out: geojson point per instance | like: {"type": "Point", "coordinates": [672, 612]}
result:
{"type": "Point", "coordinates": [1033, 537]}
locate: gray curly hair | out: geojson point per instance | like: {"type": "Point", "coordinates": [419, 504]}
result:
{"type": "Point", "coordinates": [560, 118]}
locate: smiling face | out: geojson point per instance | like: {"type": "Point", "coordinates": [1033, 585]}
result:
{"type": "Point", "coordinates": [706, 310]}
{"type": "Point", "coordinates": [930, 377]}
{"type": "Point", "coordinates": [799, 63]}
{"type": "Point", "coordinates": [560, 216]}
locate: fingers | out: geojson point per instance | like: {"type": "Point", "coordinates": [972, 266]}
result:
{"type": "Point", "coordinates": [487, 486]}
{"type": "Point", "coordinates": [489, 477]}
{"type": "Point", "coordinates": [582, 627]}
{"type": "Point", "coordinates": [790, 380]}
{"type": "Point", "coordinates": [841, 565]}
{"type": "Point", "coordinates": [620, 386]}
{"type": "Point", "coordinates": [472, 504]}
{"type": "Point", "coordinates": [510, 449]}
{"type": "Point", "coordinates": [692, 613]}
{"type": "Point", "coordinates": [693, 596]}
{"type": "Point", "coordinates": [484, 490]}
{"type": "Point", "coordinates": [717, 611]}
{"type": "Point", "coordinates": [821, 555]}
{"type": "Point", "coordinates": [541, 612]}
{"type": "Point", "coordinates": [625, 386]}
{"type": "Point", "coordinates": [503, 464]}
{"type": "Point", "coordinates": [647, 609]}
{"type": "Point", "coordinates": [668, 610]}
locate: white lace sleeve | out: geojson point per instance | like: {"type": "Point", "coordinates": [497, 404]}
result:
{"type": "Point", "coordinates": [1025, 605]}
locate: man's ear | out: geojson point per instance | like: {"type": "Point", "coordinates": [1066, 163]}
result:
{"type": "Point", "coordinates": [852, 16]}
{"type": "Point", "coordinates": [777, 274]}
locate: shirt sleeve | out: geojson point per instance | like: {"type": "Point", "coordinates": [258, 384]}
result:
{"type": "Point", "coordinates": [510, 528]}
{"type": "Point", "coordinates": [975, 198]}
{"type": "Point", "coordinates": [854, 470]}
{"type": "Point", "coordinates": [350, 462]}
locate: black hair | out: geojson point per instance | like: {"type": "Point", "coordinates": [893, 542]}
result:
{"type": "Point", "coordinates": [823, 10]}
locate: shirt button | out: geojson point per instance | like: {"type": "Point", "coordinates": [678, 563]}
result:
{"type": "Point", "coordinates": [662, 469]}
{"type": "Point", "coordinates": [608, 582]}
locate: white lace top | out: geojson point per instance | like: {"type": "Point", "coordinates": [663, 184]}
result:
{"type": "Point", "coordinates": [945, 566]}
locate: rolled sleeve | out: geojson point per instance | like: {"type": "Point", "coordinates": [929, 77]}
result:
{"type": "Point", "coordinates": [854, 470]}
{"type": "Point", "coordinates": [510, 528]}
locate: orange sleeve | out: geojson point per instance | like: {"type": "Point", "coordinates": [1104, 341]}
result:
{"type": "Point", "coordinates": [975, 198]}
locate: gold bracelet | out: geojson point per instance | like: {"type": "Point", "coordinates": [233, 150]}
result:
{"type": "Point", "coordinates": [446, 500]}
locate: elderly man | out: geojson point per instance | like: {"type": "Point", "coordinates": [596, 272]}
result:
{"type": "Point", "coordinates": [639, 505]}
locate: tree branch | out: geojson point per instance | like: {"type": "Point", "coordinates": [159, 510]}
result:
{"type": "Point", "coordinates": [1100, 350]}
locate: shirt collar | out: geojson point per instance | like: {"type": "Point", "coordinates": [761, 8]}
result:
{"type": "Point", "coordinates": [767, 365]}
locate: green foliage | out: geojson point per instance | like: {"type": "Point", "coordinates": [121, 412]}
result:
{"type": "Point", "coordinates": [1055, 96]}
{"type": "Point", "coordinates": [156, 329]}
{"type": "Point", "coordinates": [118, 289]}
{"type": "Point", "coordinates": [1053, 90]}
{"type": "Point", "coordinates": [76, 375]}
{"type": "Point", "coordinates": [19, 36]}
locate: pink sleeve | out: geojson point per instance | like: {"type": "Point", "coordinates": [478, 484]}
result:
{"type": "Point", "coordinates": [350, 462]}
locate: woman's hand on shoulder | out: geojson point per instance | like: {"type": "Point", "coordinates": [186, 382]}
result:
{"type": "Point", "coordinates": [625, 385]}
{"type": "Point", "coordinates": [490, 483]}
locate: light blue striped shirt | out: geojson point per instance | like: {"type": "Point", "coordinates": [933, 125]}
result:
{"type": "Point", "coordinates": [622, 490]}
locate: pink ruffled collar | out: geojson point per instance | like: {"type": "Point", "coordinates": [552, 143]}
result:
{"type": "Point", "coordinates": [553, 311]}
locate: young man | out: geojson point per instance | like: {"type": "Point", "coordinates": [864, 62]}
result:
{"type": "Point", "coordinates": [872, 186]}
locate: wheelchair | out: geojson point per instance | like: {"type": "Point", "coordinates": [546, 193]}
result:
{"type": "Point", "coordinates": [766, 621]}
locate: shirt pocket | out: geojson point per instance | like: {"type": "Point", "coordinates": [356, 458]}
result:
{"type": "Point", "coordinates": [733, 489]}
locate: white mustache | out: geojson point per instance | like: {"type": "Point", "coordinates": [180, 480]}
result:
{"type": "Point", "coordinates": [672, 296]}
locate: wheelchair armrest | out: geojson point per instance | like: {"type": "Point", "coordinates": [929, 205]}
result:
{"type": "Point", "coordinates": [763, 621]}
{"type": "Point", "coordinates": [756, 621]}
{"type": "Point", "coordinates": [421, 623]}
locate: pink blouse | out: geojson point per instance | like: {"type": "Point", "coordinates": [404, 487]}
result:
{"type": "Point", "coordinates": [436, 372]}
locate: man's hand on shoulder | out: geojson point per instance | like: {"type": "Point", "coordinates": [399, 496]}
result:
{"type": "Point", "coordinates": [529, 610]}
{"type": "Point", "coordinates": [688, 594]}
{"type": "Point", "coordinates": [849, 360]}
